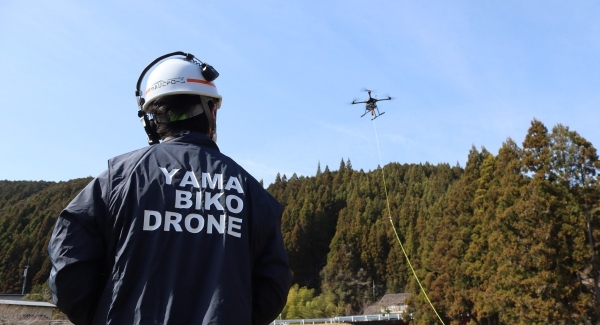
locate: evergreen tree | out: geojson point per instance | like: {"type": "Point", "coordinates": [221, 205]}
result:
{"type": "Point", "coordinates": [488, 259]}
{"type": "Point", "coordinates": [575, 165]}
{"type": "Point", "coordinates": [342, 166]}
{"type": "Point", "coordinates": [444, 274]}
{"type": "Point", "coordinates": [544, 259]}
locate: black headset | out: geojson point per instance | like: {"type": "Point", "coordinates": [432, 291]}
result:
{"type": "Point", "coordinates": [208, 72]}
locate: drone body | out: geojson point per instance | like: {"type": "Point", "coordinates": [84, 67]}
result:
{"type": "Point", "coordinates": [371, 105]}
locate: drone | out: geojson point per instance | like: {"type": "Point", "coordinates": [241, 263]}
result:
{"type": "Point", "coordinates": [371, 106]}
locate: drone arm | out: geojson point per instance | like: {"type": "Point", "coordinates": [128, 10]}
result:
{"type": "Point", "coordinates": [353, 102]}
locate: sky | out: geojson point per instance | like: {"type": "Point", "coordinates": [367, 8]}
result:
{"type": "Point", "coordinates": [461, 74]}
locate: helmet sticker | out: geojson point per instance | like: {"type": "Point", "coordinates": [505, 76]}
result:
{"type": "Point", "coordinates": [178, 80]}
{"type": "Point", "coordinates": [164, 83]}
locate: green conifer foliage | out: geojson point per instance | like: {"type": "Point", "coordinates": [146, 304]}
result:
{"type": "Point", "coordinates": [575, 167]}
{"type": "Point", "coordinates": [487, 260]}
{"type": "Point", "coordinates": [27, 218]}
{"type": "Point", "coordinates": [442, 273]}
{"type": "Point", "coordinates": [543, 252]}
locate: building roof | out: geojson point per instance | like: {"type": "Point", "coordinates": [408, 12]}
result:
{"type": "Point", "coordinates": [394, 298]}
{"type": "Point", "coordinates": [6, 296]}
{"type": "Point", "coordinates": [372, 310]}
{"type": "Point", "coordinates": [27, 303]}
{"type": "Point", "coordinates": [389, 299]}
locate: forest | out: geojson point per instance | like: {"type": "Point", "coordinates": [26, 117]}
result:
{"type": "Point", "coordinates": [510, 238]}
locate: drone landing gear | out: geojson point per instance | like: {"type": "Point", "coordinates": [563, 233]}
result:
{"type": "Point", "coordinates": [376, 116]}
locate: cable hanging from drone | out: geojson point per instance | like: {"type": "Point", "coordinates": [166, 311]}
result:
{"type": "Point", "coordinates": [389, 211]}
{"type": "Point", "coordinates": [208, 73]}
{"type": "Point", "coordinates": [371, 105]}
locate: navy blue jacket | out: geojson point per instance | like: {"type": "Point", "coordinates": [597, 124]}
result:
{"type": "Point", "coordinates": [175, 233]}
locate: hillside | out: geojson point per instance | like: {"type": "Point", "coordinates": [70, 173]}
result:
{"type": "Point", "coordinates": [510, 238]}
{"type": "Point", "coordinates": [28, 211]}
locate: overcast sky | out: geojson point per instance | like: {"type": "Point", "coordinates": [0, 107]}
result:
{"type": "Point", "coordinates": [461, 73]}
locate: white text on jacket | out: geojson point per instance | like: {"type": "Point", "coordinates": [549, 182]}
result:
{"type": "Point", "coordinates": [228, 199]}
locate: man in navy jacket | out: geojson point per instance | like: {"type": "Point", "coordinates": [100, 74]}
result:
{"type": "Point", "coordinates": [176, 232]}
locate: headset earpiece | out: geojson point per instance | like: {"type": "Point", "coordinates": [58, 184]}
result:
{"type": "Point", "coordinates": [150, 127]}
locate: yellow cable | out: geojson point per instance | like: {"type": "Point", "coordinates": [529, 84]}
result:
{"type": "Point", "coordinates": [394, 227]}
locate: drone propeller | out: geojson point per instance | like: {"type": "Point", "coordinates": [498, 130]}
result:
{"type": "Point", "coordinates": [387, 97]}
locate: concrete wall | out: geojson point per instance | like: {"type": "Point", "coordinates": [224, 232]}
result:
{"type": "Point", "coordinates": [11, 313]}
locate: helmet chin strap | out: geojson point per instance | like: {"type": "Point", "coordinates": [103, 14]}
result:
{"type": "Point", "coordinates": [211, 119]}
{"type": "Point", "coordinates": [212, 122]}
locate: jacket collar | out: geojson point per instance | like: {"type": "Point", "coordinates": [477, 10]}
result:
{"type": "Point", "coordinates": [195, 138]}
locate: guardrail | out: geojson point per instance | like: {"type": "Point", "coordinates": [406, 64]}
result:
{"type": "Point", "coordinates": [338, 319]}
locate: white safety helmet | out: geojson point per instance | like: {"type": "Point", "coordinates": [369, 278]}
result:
{"type": "Point", "coordinates": [173, 76]}
{"type": "Point", "coordinates": [179, 76]}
